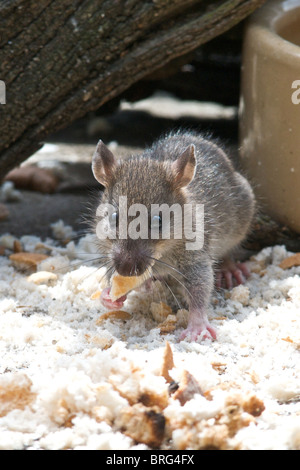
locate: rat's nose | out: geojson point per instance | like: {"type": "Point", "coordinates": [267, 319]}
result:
{"type": "Point", "coordinates": [127, 266]}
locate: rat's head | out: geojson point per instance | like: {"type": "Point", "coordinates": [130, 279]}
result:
{"type": "Point", "coordinates": [139, 194]}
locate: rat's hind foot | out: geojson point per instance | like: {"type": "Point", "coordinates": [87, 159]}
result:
{"type": "Point", "coordinates": [231, 273]}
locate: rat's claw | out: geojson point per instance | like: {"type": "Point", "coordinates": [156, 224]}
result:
{"type": "Point", "coordinates": [108, 303]}
{"type": "Point", "coordinates": [230, 272]}
{"type": "Point", "coordinates": [192, 333]}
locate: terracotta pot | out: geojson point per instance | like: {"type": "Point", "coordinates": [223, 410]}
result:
{"type": "Point", "coordinates": [270, 109]}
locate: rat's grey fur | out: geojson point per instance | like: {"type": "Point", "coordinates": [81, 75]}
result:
{"type": "Point", "coordinates": [228, 204]}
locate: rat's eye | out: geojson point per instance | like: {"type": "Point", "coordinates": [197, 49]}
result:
{"type": "Point", "coordinates": [156, 221]}
{"type": "Point", "coordinates": [113, 219]}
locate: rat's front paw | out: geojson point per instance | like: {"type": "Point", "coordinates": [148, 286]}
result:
{"type": "Point", "coordinates": [195, 332]}
{"type": "Point", "coordinates": [108, 303]}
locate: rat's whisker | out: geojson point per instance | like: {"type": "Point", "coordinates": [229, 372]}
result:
{"type": "Point", "coordinates": [168, 265]}
{"type": "Point", "coordinates": [178, 280]}
{"type": "Point", "coordinates": [96, 268]}
{"type": "Point", "coordinates": [79, 263]}
{"type": "Point", "coordinates": [168, 286]}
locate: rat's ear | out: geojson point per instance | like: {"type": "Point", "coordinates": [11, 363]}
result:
{"type": "Point", "coordinates": [184, 167]}
{"type": "Point", "coordinates": [103, 163]}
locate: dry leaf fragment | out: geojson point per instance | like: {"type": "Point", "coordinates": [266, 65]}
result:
{"type": "Point", "coordinates": [143, 424]}
{"type": "Point", "coordinates": [113, 315]}
{"type": "Point", "coordinates": [168, 363]}
{"type": "Point", "coordinates": [188, 387]}
{"type": "Point", "coordinates": [291, 261]}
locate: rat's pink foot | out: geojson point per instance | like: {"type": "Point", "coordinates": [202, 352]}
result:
{"type": "Point", "coordinates": [231, 273]}
{"type": "Point", "coordinates": [108, 303]}
{"type": "Point", "coordinates": [203, 330]}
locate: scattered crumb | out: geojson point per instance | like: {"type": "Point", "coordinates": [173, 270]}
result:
{"type": "Point", "coordinates": [160, 311]}
{"type": "Point", "coordinates": [8, 193]}
{"type": "Point", "coordinates": [42, 277]}
{"type": "Point", "coordinates": [33, 178]}
{"type": "Point", "coordinates": [143, 424]}
{"type": "Point", "coordinates": [241, 294]}
{"type": "Point", "coordinates": [27, 261]}
{"type": "Point", "coordinates": [15, 393]}
{"type": "Point", "coordinates": [71, 380]}
{"type": "Point", "coordinates": [168, 363]}
{"type": "Point", "coordinates": [188, 387]}
{"type": "Point", "coordinates": [291, 261]}
{"type": "Point", "coordinates": [96, 295]}
{"type": "Point", "coordinates": [113, 315]}
{"type": "Point", "coordinates": [169, 325]}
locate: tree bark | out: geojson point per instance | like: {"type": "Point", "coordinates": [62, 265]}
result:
{"type": "Point", "coordinates": [60, 59]}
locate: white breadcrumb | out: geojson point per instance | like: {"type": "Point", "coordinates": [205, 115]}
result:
{"type": "Point", "coordinates": [66, 378]}
{"type": "Point", "coordinates": [8, 192]}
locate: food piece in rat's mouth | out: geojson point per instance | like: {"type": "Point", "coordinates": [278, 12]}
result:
{"type": "Point", "coordinates": [121, 285]}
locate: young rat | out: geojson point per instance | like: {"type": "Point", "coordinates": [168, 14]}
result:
{"type": "Point", "coordinates": [187, 170]}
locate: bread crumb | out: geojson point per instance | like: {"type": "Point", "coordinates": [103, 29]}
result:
{"type": "Point", "coordinates": [96, 295]}
{"type": "Point", "coordinates": [187, 389]}
{"type": "Point", "coordinates": [233, 415]}
{"type": "Point", "coordinates": [160, 311]}
{"type": "Point", "coordinates": [102, 342]}
{"type": "Point", "coordinates": [15, 393]}
{"type": "Point", "coordinates": [253, 405]}
{"type": "Point", "coordinates": [290, 262]}
{"type": "Point", "coordinates": [220, 367]}
{"type": "Point", "coordinates": [42, 277]}
{"type": "Point", "coordinates": [33, 178]}
{"type": "Point", "coordinates": [121, 285]}
{"type": "Point", "coordinates": [182, 317]}
{"type": "Point", "coordinates": [113, 315]}
{"type": "Point", "coordinates": [169, 325]}
{"type": "Point", "coordinates": [143, 424]}
{"type": "Point", "coordinates": [168, 363]}
{"type": "Point", "coordinates": [241, 294]}
{"type": "Point", "coordinates": [27, 261]}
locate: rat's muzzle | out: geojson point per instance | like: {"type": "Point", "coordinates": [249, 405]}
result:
{"type": "Point", "coordinates": [130, 266]}
{"type": "Point", "coordinates": [131, 261]}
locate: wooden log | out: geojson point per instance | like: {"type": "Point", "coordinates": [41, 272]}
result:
{"type": "Point", "coordinates": [60, 59]}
